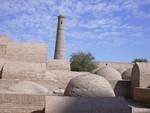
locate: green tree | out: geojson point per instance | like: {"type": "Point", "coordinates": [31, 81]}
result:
{"type": "Point", "coordinates": [81, 61]}
{"type": "Point", "coordinates": [139, 60]}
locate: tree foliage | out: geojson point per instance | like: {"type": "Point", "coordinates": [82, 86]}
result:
{"type": "Point", "coordinates": [139, 60]}
{"type": "Point", "coordinates": [81, 61]}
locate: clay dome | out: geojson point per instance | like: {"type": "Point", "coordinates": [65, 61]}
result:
{"type": "Point", "coordinates": [28, 87]}
{"type": "Point", "coordinates": [126, 75]}
{"type": "Point", "coordinates": [94, 71]}
{"type": "Point", "coordinates": [109, 73]}
{"type": "Point", "coordinates": [89, 85]}
{"type": "Point", "coordinates": [121, 70]}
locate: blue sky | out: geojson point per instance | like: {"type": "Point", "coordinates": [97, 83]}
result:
{"type": "Point", "coordinates": [112, 30]}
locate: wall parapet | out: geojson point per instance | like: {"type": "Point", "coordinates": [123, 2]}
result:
{"type": "Point", "coordinates": [21, 103]}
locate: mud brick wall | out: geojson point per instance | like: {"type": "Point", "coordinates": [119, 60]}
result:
{"type": "Point", "coordinates": [5, 40]}
{"type": "Point", "coordinates": [140, 78]}
{"type": "Point", "coordinates": [60, 104]}
{"type": "Point", "coordinates": [115, 65]}
{"type": "Point", "coordinates": [142, 94]}
{"type": "Point", "coordinates": [51, 85]}
{"type": "Point", "coordinates": [121, 87]}
{"type": "Point", "coordinates": [14, 103]}
{"type": "Point", "coordinates": [29, 52]}
{"type": "Point", "coordinates": [141, 75]}
{"type": "Point", "coordinates": [22, 70]}
{"type": "Point", "coordinates": [58, 65]}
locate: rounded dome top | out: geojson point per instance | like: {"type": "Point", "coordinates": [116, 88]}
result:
{"type": "Point", "coordinates": [121, 70]}
{"type": "Point", "coordinates": [94, 71]}
{"type": "Point", "coordinates": [109, 73]}
{"type": "Point", "coordinates": [126, 75]}
{"type": "Point", "coordinates": [90, 85]}
{"type": "Point", "coordinates": [28, 87]}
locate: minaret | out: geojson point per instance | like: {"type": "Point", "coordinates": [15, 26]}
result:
{"type": "Point", "coordinates": [60, 48]}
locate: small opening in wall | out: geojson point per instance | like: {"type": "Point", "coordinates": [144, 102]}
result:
{"type": "Point", "coordinates": [61, 22]}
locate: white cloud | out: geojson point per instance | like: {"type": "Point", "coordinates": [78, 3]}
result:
{"type": "Point", "coordinates": [86, 20]}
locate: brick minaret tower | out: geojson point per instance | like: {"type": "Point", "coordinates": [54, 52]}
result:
{"type": "Point", "coordinates": [60, 48]}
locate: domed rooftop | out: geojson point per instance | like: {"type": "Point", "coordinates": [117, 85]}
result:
{"type": "Point", "coordinates": [89, 85]}
{"type": "Point", "coordinates": [94, 71]}
{"type": "Point", "coordinates": [121, 70]}
{"type": "Point", "coordinates": [126, 75]}
{"type": "Point", "coordinates": [109, 73]}
{"type": "Point", "coordinates": [28, 87]}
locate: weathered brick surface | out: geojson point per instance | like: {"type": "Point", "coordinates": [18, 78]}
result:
{"type": "Point", "coordinates": [5, 40]}
{"type": "Point", "coordinates": [141, 75]}
{"type": "Point", "coordinates": [142, 94]}
{"type": "Point", "coordinates": [140, 110]}
{"type": "Point", "coordinates": [115, 65]}
{"type": "Point", "coordinates": [14, 103]}
{"type": "Point", "coordinates": [141, 82]}
{"type": "Point", "coordinates": [22, 70]}
{"type": "Point", "coordinates": [57, 104]}
{"type": "Point", "coordinates": [58, 65]}
{"type": "Point", "coordinates": [121, 87]}
{"type": "Point", "coordinates": [29, 52]}
{"type": "Point", "coordinates": [56, 82]}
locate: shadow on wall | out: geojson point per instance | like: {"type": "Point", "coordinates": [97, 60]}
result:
{"type": "Point", "coordinates": [55, 104]}
{"type": "Point", "coordinates": [122, 88]}
{"type": "Point", "coordinates": [39, 111]}
{"type": "Point", "coordinates": [1, 72]}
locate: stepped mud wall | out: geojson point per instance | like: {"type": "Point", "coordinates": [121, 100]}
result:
{"type": "Point", "coordinates": [58, 65]}
{"type": "Point", "coordinates": [21, 70]}
{"type": "Point", "coordinates": [28, 52]}
{"type": "Point", "coordinates": [115, 65]}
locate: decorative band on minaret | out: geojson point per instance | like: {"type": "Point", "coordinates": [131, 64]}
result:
{"type": "Point", "coordinates": [60, 48]}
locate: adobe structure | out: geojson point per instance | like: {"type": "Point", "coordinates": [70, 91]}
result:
{"type": "Point", "coordinates": [30, 82]}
